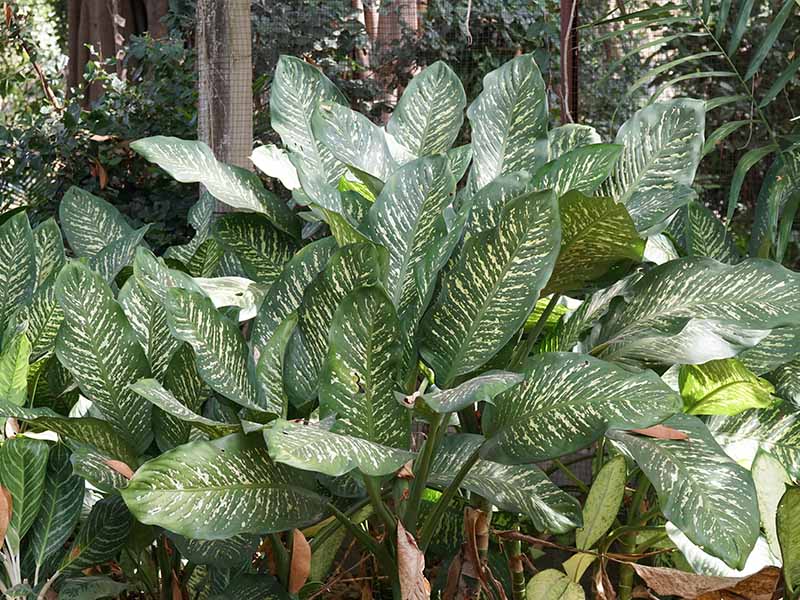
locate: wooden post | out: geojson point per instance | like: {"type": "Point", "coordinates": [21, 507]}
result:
{"type": "Point", "coordinates": [569, 61]}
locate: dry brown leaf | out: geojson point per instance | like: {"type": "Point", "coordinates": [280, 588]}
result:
{"type": "Point", "coordinates": [411, 567]}
{"type": "Point", "coordinates": [603, 588]}
{"type": "Point", "coordinates": [102, 175]}
{"type": "Point", "coordinates": [301, 562]}
{"type": "Point", "coordinates": [95, 137]}
{"type": "Point", "coordinates": [177, 593]}
{"type": "Point", "coordinates": [405, 471]}
{"type": "Point", "coordinates": [6, 509]}
{"type": "Point", "coordinates": [672, 582]}
{"type": "Point", "coordinates": [662, 432]}
{"type": "Point", "coordinates": [9, 13]}
{"type": "Point", "coordinates": [11, 428]}
{"type": "Point", "coordinates": [120, 467]}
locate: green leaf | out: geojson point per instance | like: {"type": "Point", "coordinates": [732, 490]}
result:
{"type": "Point", "coordinates": [184, 382]}
{"type": "Point", "coordinates": [780, 188]}
{"type": "Point", "coordinates": [663, 145]}
{"type": "Point", "coordinates": [723, 387]}
{"type": "Point", "coordinates": [93, 466]}
{"type": "Point", "coordinates": [721, 133]}
{"type": "Point", "coordinates": [44, 316]}
{"type": "Point", "coordinates": [213, 490]}
{"type": "Point", "coordinates": [90, 223]}
{"type": "Point", "coordinates": [693, 310]}
{"type": "Point", "coordinates": [459, 159]}
{"type": "Point", "coordinates": [602, 503]}
{"type": "Point", "coordinates": [190, 161]}
{"type": "Point", "coordinates": [780, 82]}
{"type": "Point", "coordinates": [566, 402]}
{"type": "Point", "coordinates": [99, 348]}
{"type": "Point", "coordinates": [91, 588]}
{"type": "Point", "coordinates": [23, 466]}
{"type": "Point", "coordinates": [262, 587]}
{"type": "Point", "coordinates": [703, 234]}
{"type": "Point", "coordinates": [494, 285]}
{"type": "Point", "coordinates": [49, 249]}
{"type": "Point", "coordinates": [748, 161]}
{"type": "Point", "coordinates": [568, 137]}
{"type": "Point", "coordinates": [488, 202]}
{"type": "Point", "coordinates": [789, 536]}
{"type": "Point", "coordinates": [482, 388]}
{"type": "Point", "coordinates": [359, 375]}
{"type": "Point", "coordinates": [428, 117]}
{"type": "Point", "coordinates": [311, 448]}
{"type": "Point", "coordinates": [223, 359]}
{"type": "Point", "coordinates": [508, 116]}
{"type": "Point", "coordinates": [274, 162]}
{"type": "Point", "coordinates": [101, 537]}
{"type": "Point", "coordinates": [701, 491]}
{"type": "Point", "coordinates": [770, 37]}
{"type": "Point", "coordinates": [17, 266]}
{"type": "Point", "coordinates": [515, 488]}
{"type": "Point", "coordinates": [231, 553]}
{"type": "Point", "coordinates": [778, 348]}
{"type": "Point", "coordinates": [553, 585]}
{"type": "Point", "coordinates": [787, 381]}
{"type": "Point", "coordinates": [261, 249]}
{"type": "Point", "coordinates": [200, 218]}
{"type": "Point", "coordinates": [597, 235]}
{"type": "Point", "coordinates": [14, 369]}
{"type": "Point", "coordinates": [583, 169]}
{"type": "Point", "coordinates": [770, 478]}
{"type": "Point", "coordinates": [116, 255]}
{"type": "Point", "coordinates": [60, 509]}
{"type": "Point", "coordinates": [154, 392]}
{"type": "Point", "coordinates": [269, 368]}
{"type": "Point", "coordinates": [351, 267]}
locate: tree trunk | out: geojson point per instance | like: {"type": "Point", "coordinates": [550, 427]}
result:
{"type": "Point", "coordinates": [395, 18]}
{"type": "Point", "coordinates": [569, 61]}
{"type": "Point", "coordinates": [225, 85]}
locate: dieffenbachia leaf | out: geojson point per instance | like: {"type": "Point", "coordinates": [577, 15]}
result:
{"type": "Point", "coordinates": [262, 249]}
{"type": "Point", "coordinates": [776, 206]}
{"type": "Point", "coordinates": [14, 369]}
{"type": "Point", "coordinates": [94, 466]}
{"type": "Point", "coordinates": [516, 488]}
{"type": "Point", "coordinates": [566, 402]}
{"type": "Point", "coordinates": [781, 345]}
{"type": "Point", "coordinates": [91, 588]}
{"type": "Point", "coordinates": [663, 146]}
{"type": "Point", "coordinates": [789, 536]}
{"type": "Point", "coordinates": [311, 448]}
{"type": "Point", "coordinates": [190, 161]}
{"type": "Point", "coordinates": [582, 169]}
{"type": "Point", "coordinates": [597, 234]}
{"type": "Point", "coordinates": [23, 466]}
{"type": "Point", "coordinates": [98, 347]}
{"type": "Point", "coordinates": [59, 511]}
{"type": "Point", "coordinates": [487, 204]}
{"type": "Point", "coordinates": [213, 490]}
{"type": "Point", "coordinates": [723, 387]}
{"type": "Point", "coordinates": [459, 159]}
{"type": "Point", "coordinates": [507, 118]}
{"type": "Point", "coordinates": [274, 162]}
{"type": "Point", "coordinates": [703, 234]}
{"type": "Point", "coordinates": [602, 503]}
{"type": "Point", "coordinates": [568, 137]}
{"type": "Point", "coordinates": [551, 584]}
{"type": "Point", "coordinates": [787, 381]}
{"type": "Point", "coordinates": [17, 266]}
{"type": "Point", "coordinates": [493, 286]}
{"type": "Point", "coordinates": [100, 537]}
{"type": "Point", "coordinates": [482, 388]}
{"type": "Point", "coordinates": [263, 587]}
{"type": "Point", "coordinates": [701, 491]}
{"type": "Point", "coordinates": [228, 553]}
{"type": "Point", "coordinates": [90, 223]}
{"type": "Point", "coordinates": [351, 267]}
{"type": "Point", "coordinates": [774, 430]}
{"type": "Point", "coordinates": [770, 478]}
{"type": "Point", "coordinates": [269, 368]}
{"type": "Point", "coordinates": [359, 376]}
{"type": "Point", "coordinates": [223, 359]}
{"type": "Point", "coordinates": [49, 248]}
{"type": "Point", "coordinates": [43, 315]}
{"type": "Point", "coordinates": [428, 117]}
{"type": "Point", "coordinates": [286, 293]}
{"type": "Point", "coordinates": [117, 255]}
{"type": "Point", "coordinates": [200, 218]}
{"type": "Point", "coordinates": [693, 310]}
{"type": "Point", "coordinates": [353, 139]}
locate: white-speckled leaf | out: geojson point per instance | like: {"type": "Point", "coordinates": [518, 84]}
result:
{"type": "Point", "coordinates": [269, 368]}
{"type": "Point", "coordinates": [482, 388]}
{"type": "Point", "coordinates": [663, 146]}
{"type": "Point", "coordinates": [213, 490]}
{"type": "Point", "coordinates": [568, 137]}
{"type": "Point", "coordinates": [23, 466]}
{"type": "Point", "coordinates": [700, 489]}
{"type": "Point", "coordinates": [100, 537]}
{"type": "Point", "coordinates": [231, 553]}
{"type": "Point", "coordinates": [109, 261]}
{"type": "Point", "coordinates": [487, 204]}
{"type": "Point", "coordinates": [154, 392]}
{"type": "Point", "coordinates": [515, 488]}
{"type": "Point", "coordinates": [17, 266]}
{"type": "Point", "coordinates": [14, 369]}
{"type": "Point", "coordinates": [49, 250]}
{"type": "Point", "coordinates": [274, 162]}
{"type": "Point", "coordinates": [262, 587]}
{"type": "Point", "coordinates": [507, 118]}
{"type": "Point", "coordinates": [703, 234]}
{"type": "Point", "coordinates": [92, 465]}
{"type": "Point", "coordinates": [311, 448]}
{"type": "Point", "coordinates": [787, 382]}
{"type": "Point", "coordinates": [200, 218]}
{"type": "Point", "coordinates": [359, 375]}
{"type": "Point", "coordinates": [90, 223]}
{"type": "Point", "coordinates": [43, 315]}
{"type": "Point", "coordinates": [190, 161]}
{"type": "Point", "coordinates": [98, 347]}
{"type": "Point", "coordinates": [566, 402]}
{"type": "Point", "coordinates": [723, 387]}
{"type": "Point", "coordinates": [459, 158]}
{"type": "Point", "coordinates": [430, 112]}
{"type": "Point", "coordinates": [770, 478]}
{"type": "Point", "coordinates": [582, 169]}
{"type": "Point", "coordinates": [494, 285]}
{"type": "Point", "coordinates": [780, 346]}
{"type": "Point", "coordinates": [553, 585]}
{"type": "Point", "coordinates": [693, 310]}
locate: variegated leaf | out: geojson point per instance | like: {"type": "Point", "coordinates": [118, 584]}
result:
{"type": "Point", "coordinates": [238, 292]}
{"type": "Point", "coordinates": [663, 146]}
{"type": "Point", "coordinates": [91, 588]}
{"type": "Point", "coordinates": [516, 488]}
{"type": "Point", "coordinates": [789, 534]}
{"type": "Point", "coordinates": [494, 285]}
{"type": "Point", "coordinates": [93, 466]}
{"type": "Point", "coordinates": [213, 490]}
{"type": "Point", "coordinates": [351, 267]}
{"type": "Point", "coordinates": [23, 467]}
{"type": "Point", "coordinates": [185, 384]}
{"type": "Point", "coordinates": [723, 387]}
{"type": "Point", "coordinates": [487, 204]}
{"type": "Point", "coordinates": [269, 368]}
{"type": "Point", "coordinates": [99, 348]}
{"type": "Point", "coordinates": [262, 250]}
{"type": "Point", "coordinates": [14, 369]}
{"type": "Point", "coordinates": [17, 266]}
{"type": "Point", "coordinates": [274, 162]}
{"type": "Point", "coordinates": [190, 161]}
{"type": "Point", "coordinates": [44, 316]}
{"type": "Point", "coordinates": [701, 491]}
{"type": "Point", "coordinates": [582, 169]}
{"type": "Point", "coordinates": [693, 310]}
{"type": "Point", "coordinates": [703, 234]}
{"type": "Point", "coordinates": [230, 553]}
{"type": "Point", "coordinates": [780, 184]}
{"type": "Point", "coordinates": [100, 537]}
{"type": "Point", "coordinates": [428, 117]}
{"type": "Point", "coordinates": [459, 158]}
{"type": "Point", "coordinates": [311, 448]}
{"type": "Point", "coordinates": [90, 223]}
{"type": "Point", "coordinates": [263, 587]}
{"type": "Point", "coordinates": [551, 584]}
{"type": "Point", "coordinates": [49, 250]}
{"type": "Point", "coordinates": [482, 388]}
{"type": "Point", "coordinates": [566, 402]}
{"type": "Point", "coordinates": [781, 345]}
{"type": "Point", "coordinates": [597, 235]}
{"type": "Point", "coordinates": [154, 392]}
{"type": "Point", "coordinates": [109, 261]}
{"type": "Point", "coordinates": [200, 218]}
{"type": "Point", "coordinates": [359, 376]}
{"type": "Point", "coordinates": [568, 137]}
{"type": "Point", "coordinates": [787, 382]}
{"type": "Point", "coordinates": [507, 118]}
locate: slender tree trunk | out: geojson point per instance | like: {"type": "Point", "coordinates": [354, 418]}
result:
{"type": "Point", "coordinates": [395, 18]}
{"type": "Point", "coordinates": [569, 61]}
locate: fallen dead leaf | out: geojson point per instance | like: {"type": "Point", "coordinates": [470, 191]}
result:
{"type": "Point", "coordinates": [405, 471]}
{"type": "Point", "coordinates": [411, 567]}
{"type": "Point", "coordinates": [604, 590]}
{"type": "Point", "coordinates": [662, 432]}
{"type": "Point", "coordinates": [301, 562]}
{"type": "Point", "coordinates": [6, 509]}
{"type": "Point", "coordinates": [672, 582]}
{"type": "Point", "coordinates": [120, 467]}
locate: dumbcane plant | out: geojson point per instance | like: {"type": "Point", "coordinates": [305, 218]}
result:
{"type": "Point", "coordinates": [403, 354]}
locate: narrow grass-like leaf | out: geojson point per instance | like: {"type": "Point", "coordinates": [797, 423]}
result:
{"type": "Point", "coordinates": [750, 158]}
{"type": "Point", "coordinates": [770, 37]}
{"type": "Point", "coordinates": [780, 82]}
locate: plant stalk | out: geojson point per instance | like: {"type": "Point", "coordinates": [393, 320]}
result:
{"type": "Point", "coordinates": [513, 552]}
{"type": "Point", "coordinates": [421, 475]}
{"type": "Point", "coordinates": [374, 491]}
{"type": "Point", "coordinates": [523, 351]}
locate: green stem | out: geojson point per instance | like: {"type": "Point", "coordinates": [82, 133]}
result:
{"type": "Point", "coordinates": [571, 476]}
{"type": "Point", "coordinates": [282, 560]}
{"type": "Point", "coordinates": [523, 351]}
{"type": "Point", "coordinates": [513, 552]}
{"type": "Point", "coordinates": [432, 522]}
{"type": "Point", "coordinates": [374, 491]}
{"type": "Point", "coordinates": [628, 540]}
{"type": "Point", "coordinates": [166, 569]}
{"type": "Point", "coordinates": [326, 533]}
{"type": "Point", "coordinates": [422, 468]}
{"type": "Point", "coordinates": [650, 541]}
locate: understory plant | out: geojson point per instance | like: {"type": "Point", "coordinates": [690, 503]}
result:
{"type": "Point", "coordinates": [391, 382]}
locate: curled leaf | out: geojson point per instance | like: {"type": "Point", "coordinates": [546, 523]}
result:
{"type": "Point", "coordinates": [301, 562]}
{"type": "Point", "coordinates": [121, 468]}
{"type": "Point", "coordinates": [672, 582]}
{"type": "Point", "coordinates": [411, 567]}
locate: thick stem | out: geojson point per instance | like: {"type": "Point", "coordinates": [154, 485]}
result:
{"type": "Point", "coordinates": [422, 469]}
{"type": "Point", "coordinates": [374, 491]}
{"type": "Point", "coordinates": [513, 552]}
{"type": "Point", "coordinates": [165, 566]}
{"type": "Point", "coordinates": [518, 358]}
{"type": "Point", "coordinates": [628, 541]}
{"type": "Point", "coordinates": [282, 560]}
